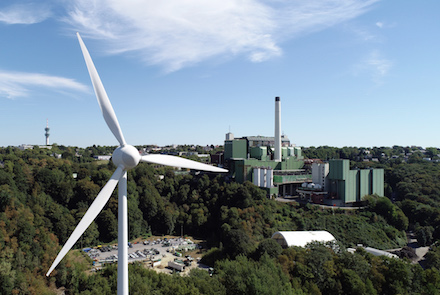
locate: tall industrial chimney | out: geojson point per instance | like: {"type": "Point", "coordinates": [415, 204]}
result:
{"type": "Point", "coordinates": [277, 129]}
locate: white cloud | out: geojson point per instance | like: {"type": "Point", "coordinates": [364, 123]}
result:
{"type": "Point", "coordinates": [379, 24]}
{"type": "Point", "coordinates": [176, 33]}
{"type": "Point", "coordinates": [375, 65]}
{"type": "Point", "coordinates": [15, 84]}
{"type": "Point", "coordinates": [363, 34]}
{"type": "Point", "coordinates": [25, 13]}
{"type": "Point", "coordinates": [380, 65]}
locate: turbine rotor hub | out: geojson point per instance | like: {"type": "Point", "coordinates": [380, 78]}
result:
{"type": "Point", "coordinates": [127, 156]}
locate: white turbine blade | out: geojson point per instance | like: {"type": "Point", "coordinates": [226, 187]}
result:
{"type": "Point", "coordinates": [90, 215]}
{"type": "Point", "coordinates": [174, 161]}
{"type": "Point", "coordinates": [104, 102]}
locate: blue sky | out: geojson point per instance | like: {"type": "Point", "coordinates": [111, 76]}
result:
{"type": "Point", "coordinates": [349, 73]}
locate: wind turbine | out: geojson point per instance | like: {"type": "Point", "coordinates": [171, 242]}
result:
{"type": "Point", "coordinates": [125, 157]}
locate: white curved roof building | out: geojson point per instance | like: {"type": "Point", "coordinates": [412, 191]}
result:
{"type": "Point", "coordinates": [377, 252]}
{"type": "Point", "coordinates": [301, 238]}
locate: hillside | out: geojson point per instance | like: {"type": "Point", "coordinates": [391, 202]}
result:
{"type": "Point", "coordinates": [43, 197]}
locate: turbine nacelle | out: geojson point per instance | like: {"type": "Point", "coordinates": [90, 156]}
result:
{"type": "Point", "coordinates": [126, 156]}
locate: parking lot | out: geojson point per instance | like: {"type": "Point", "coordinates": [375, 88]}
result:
{"type": "Point", "coordinates": [158, 251]}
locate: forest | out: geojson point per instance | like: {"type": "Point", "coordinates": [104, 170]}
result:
{"type": "Point", "coordinates": [44, 193]}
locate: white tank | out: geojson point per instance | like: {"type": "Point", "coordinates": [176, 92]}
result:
{"type": "Point", "coordinates": [256, 176]}
{"type": "Point", "coordinates": [263, 177]}
{"type": "Point", "coordinates": [269, 178]}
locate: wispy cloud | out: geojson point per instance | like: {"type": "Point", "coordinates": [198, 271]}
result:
{"type": "Point", "coordinates": [15, 84]}
{"type": "Point", "coordinates": [385, 25]}
{"type": "Point", "coordinates": [379, 65]}
{"type": "Point", "coordinates": [375, 65]}
{"type": "Point", "coordinates": [175, 34]}
{"type": "Point", "coordinates": [29, 13]}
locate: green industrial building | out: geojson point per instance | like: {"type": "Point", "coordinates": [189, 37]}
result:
{"type": "Point", "coordinates": [334, 183]}
{"type": "Point", "coordinates": [269, 162]}
{"type": "Point", "coordinates": [349, 186]}
{"type": "Point", "coordinates": [245, 159]}
{"type": "Point", "coordinates": [341, 186]}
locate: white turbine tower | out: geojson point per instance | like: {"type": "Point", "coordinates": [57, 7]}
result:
{"type": "Point", "coordinates": [125, 157]}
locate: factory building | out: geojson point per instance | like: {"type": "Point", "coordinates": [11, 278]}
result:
{"type": "Point", "coordinates": [271, 163]}
{"type": "Point", "coordinates": [334, 183]}
{"type": "Point", "coordinates": [319, 175]}
{"type": "Point", "coordinates": [349, 186]}
{"type": "Point", "coordinates": [277, 166]}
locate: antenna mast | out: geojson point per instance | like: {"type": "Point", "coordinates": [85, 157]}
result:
{"type": "Point", "coordinates": [47, 131]}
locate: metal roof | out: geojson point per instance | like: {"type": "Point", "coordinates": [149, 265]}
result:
{"type": "Point", "coordinates": [301, 238]}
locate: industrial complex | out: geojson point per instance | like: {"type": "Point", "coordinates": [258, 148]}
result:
{"type": "Point", "coordinates": [277, 166]}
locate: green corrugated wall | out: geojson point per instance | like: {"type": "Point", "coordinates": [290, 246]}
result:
{"type": "Point", "coordinates": [364, 183]}
{"type": "Point", "coordinates": [259, 153]}
{"type": "Point", "coordinates": [291, 164]}
{"type": "Point", "coordinates": [236, 149]}
{"type": "Point", "coordinates": [284, 153]}
{"type": "Point", "coordinates": [352, 185]}
{"type": "Point", "coordinates": [377, 176]}
{"type": "Point", "coordinates": [339, 169]}
{"type": "Point", "coordinates": [298, 153]}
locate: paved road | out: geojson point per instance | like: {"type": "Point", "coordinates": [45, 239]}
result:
{"type": "Point", "coordinates": [420, 251]}
{"type": "Point", "coordinates": [296, 199]}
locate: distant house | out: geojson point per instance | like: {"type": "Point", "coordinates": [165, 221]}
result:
{"type": "Point", "coordinates": [31, 147]}
{"type": "Point", "coordinates": [102, 157]}
{"type": "Point", "coordinates": [25, 147]}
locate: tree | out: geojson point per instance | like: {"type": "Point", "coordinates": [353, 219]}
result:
{"type": "Point", "coordinates": [85, 191]}
{"type": "Point", "coordinates": [319, 261]}
{"type": "Point", "coordinates": [270, 247]}
{"type": "Point", "coordinates": [7, 277]}
{"type": "Point", "coordinates": [352, 283]}
{"type": "Point", "coordinates": [433, 257]}
{"type": "Point", "coordinates": [108, 225]}
{"type": "Point", "coordinates": [237, 242]}
{"type": "Point", "coordinates": [398, 276]}
{"type": "Point", "coordinates": [6, 178]}
{"type": "Point", "coordinates": [149, 200]}
{"type": "Point", "coordinates": [424, 235]}
{"type": "Point", "coordinates": [393, 214]}
{"type": "Point", "coordinates": [136, 223]}
{"type": "Point", "coordinates": [244, 276]}
{"type": "Point", "coordinates": [54, 184]}
{"type": "Point", "coordinates": [6, 195]}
